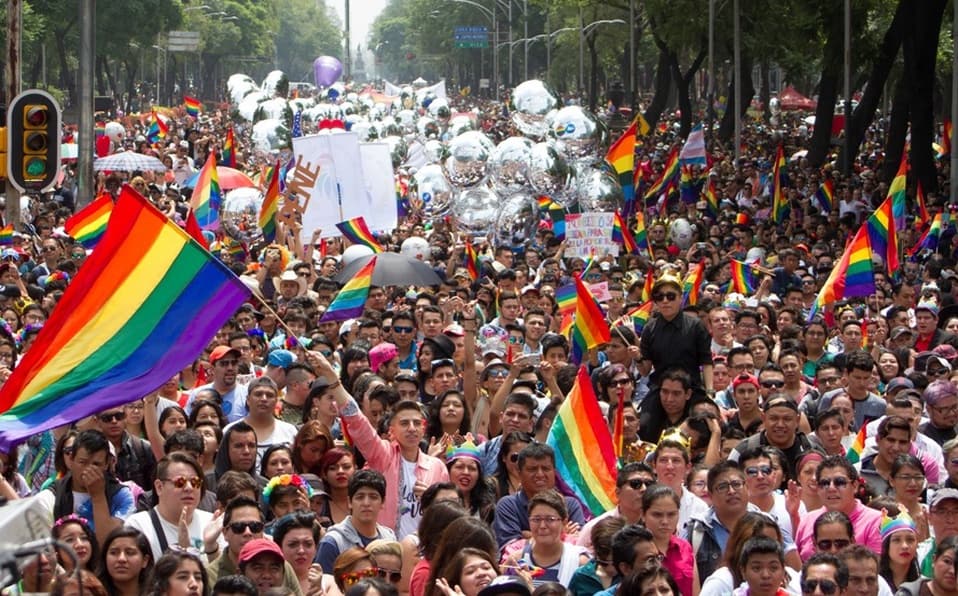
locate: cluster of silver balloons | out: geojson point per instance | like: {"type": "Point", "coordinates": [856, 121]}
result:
{"type": "Point", "coordinates": [453, 166]}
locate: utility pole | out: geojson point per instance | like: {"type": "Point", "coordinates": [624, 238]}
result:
{"type": "Point", "coordinates": [710, 109]}
{"type": "Point", "coordinates": [85, 108]}
{"type": "Point", "coordinates": [847, 165]}
{"type": "Point", "coordinates": [633, 103]}
{"type": "Point", "coordinates": [14, 22]}
{"type": "Point", "coordinates": [348, 65]}
{"type": "Point", "coordinates": [737, 26]}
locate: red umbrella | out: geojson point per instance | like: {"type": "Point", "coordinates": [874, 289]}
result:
{"type": "Point", "coordinates": [229, 178]}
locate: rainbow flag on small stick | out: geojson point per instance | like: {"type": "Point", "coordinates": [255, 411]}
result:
{"type": "Point", "coordinates": [743, 280]}
{"type": "Point", "coordinates": [590, 329]}
{"type": "Point", "coordinates": [6, 235]}
{"type": "Point", "coordinates": [193, 106]}
{"type": "Point", "coordinates": [621, 157]}
{"type": "Point", "coordinates": [693, 285]}
{"type": "Point", "coordinates": [852, 276]}
{"type": "Point", "coordinates": [780, 207]}
{"type": "Point", "coordinates": [584, 453]}
{"type": "Point", "coordinates": [351, 300]}
{"type": "Point", "coordinates": [87, 225]}
{"type": "Point", "coordinates": [854, 453]}
{"type": "Point", "coordinates": [206, 198]}
{"type": "Point", "coordinates": [229, 149]}
{"type": "Point", "coordinates": [270, 207]}
{"type": "Point", "coordinates": [565, 298]}
{"type": "Point", "coordinates": [640, 316]}
{"type": "Point", "coordinates": [825, 195]}
{"type": "Point", "coordinates": [141, 308]}
{"type": "Point", "coordinates": [356, 231]}
{"type": "Point", "coordinates": [471, 258]}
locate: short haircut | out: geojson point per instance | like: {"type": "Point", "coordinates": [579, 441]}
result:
{"type": "Point", "coordinates": [891, 423]}
{"type": "Point", "coordinates": [624, 542]}
{"type": "Point", "coordinates": [760, 545]}
{"type": "Point", "coordinates": [632, 468]}
{"type": "Point", "coordinates": [239, 503]}
{"type": "Point", "coordinates": [521, 399]}
{"type": "Point", "coordinates": [92, 441]}
{"type": "Point", "coordinates": [404, 405]}
{"type": "Point", "coordinates": [536, 451]}
{"type": "Point", "coordinates": [177, 457]}
{"type": "Point", "coordinates": [550, 498]}
{"type": "Point", "coordinates": [859, 360]}
{"type": "Point", "coordinates": [841, 569]}
{"type": "Point", "coordinates": [295, 521]}
{"type": "Point", "coordinates": [837, 461]}
{"type": "Point", "coordinates": [232, 483]}
{"type": "Point", "coordinates": [263, 381]}
{"type": "Point", "coordinates": [679, 375]}
{"type": "Point", "coordinates": [187, 439]}
{"type": "Point", "coordinates": [367, 479]}
{"type": "Point", "coordinates": [722, 468]}
{"type": "Point", "coordinates": [857, 552]}
{"type": "Point", "coordinates": [235, 584]}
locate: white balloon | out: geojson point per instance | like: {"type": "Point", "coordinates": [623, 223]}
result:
{"type": "Point", "coordinates": [354, 252]}
{"type": "Point", "coordinates": [415, 247]}
{"type": "Point", "coordinates": [681, 233]}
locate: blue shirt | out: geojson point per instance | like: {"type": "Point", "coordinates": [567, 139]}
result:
{"type": "Point", "coordinates": [232, 402]}
{"type": "Point", "coordinates": [512, 516]}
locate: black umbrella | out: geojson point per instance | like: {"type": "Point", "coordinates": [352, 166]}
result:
{"type": "Point", "coordinates": [392, 269]}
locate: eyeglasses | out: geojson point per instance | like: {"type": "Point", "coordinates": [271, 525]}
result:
{"type": "Point", "coordinates": [724, 487]}
{"type": "Point", "coordinates": [754, 471]}
{"type": "Point", "coordinates": [391, 575]}
{"type": "Point", "coordinates": [826, 545]}
{"type": "Point", "coordinates": [940, 409]}
{"type": "Point", "coordinates": [670, 296]}
{"type": "Point", "coordinates": [773, 384]}
{"type": "Point", "coordinates": [112, 417]}
{"type": "Point", "coordinates": [499, 373]}
{"type": "Point", "coordinates": [637, 483]}
{"type": "Point", "coordinates": [911, 478]}
{"type": "Point", "coordinates": [829, 380]}
{"type": "Point", "coordinates": [941, 372]}
{"type": "Point", "coordinates": [181, 482]}
{"type": "Point", "coordinates": [952, 513]}
{"type": "Point", "coordinates": [514, 457]}
{"type": "Point", "coordinates": [354, 576]}
{"type": "Point", "coordinates": [402, 329]}
{"type": "Point", "coordinates": [620, 382]}
{"type": "Point", "coordinates": [837, 482]}
{"type": "Point", "coordinates": [536, 520]}
{"type": "Point", "coordinates": [239, 527]}
{"type": "Point", "coordinates": [827, 586]}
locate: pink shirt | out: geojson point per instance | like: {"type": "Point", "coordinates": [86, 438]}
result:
{"type": "Point", "coordinates": [865, 521]}
{"type": "Point", "coordinates": [680, 561]}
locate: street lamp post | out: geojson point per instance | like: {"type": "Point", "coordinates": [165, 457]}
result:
{"type": "Point", "coordinates": [491, 15]}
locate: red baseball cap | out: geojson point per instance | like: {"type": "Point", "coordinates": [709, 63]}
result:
{"type": "Point", "coordinates": [259, 546]}
{"type": "Point", "coordinates": [221, 351]}
{"type": "Point", "coordinates": [744, 378]}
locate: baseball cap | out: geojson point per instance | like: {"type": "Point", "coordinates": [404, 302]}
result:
{"type": "Point", "coordinates": [529, 288]}
{"type": "Point", "coordinates": [780, 402]}
{"type": "Point", "coordinates": [506, 584]}
{"type": "Point", "coordinates": [259, 546]}
{"type": "Point", "coordinates": [899, 383]}
{"type": "Point", "coordinates": [380, 353]}
{"type": "Point", "coordinates": [744, 378]}
{"type": "Point", "coordinates": [281, 358]}
{"type": "Point", "coordinates": [901, 330]}
{"type": "Point", "coordinates": [454, 330]}
{"type": "Point", "coordinates": [220, 351]}
{"type": "Point", "coordinates": [941, 495]}
{"type": "Point", "coordinates": [184, 144]}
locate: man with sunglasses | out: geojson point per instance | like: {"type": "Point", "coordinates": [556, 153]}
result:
{"type": "Point", "coordinates": [630, 485]}
{"type": "Point", "coordinates": [824, 573]}
{"type": "Point", "coordinates": [763, 497]}
{"type": "Point", "coordinates": [404, 335]}
{"type": "Point", "coordinates": [135, 461]}
{"type": "Point", "coordinates": [242, 524]}
{"type": "Point", "coordinates": [178, 488]}
{"type": "Point", "coordinates": [674, 339]}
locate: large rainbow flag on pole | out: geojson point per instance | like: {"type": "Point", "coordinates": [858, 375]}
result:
{"type": "Point", "coordinates": [852, 276]}
{"type": "Point", "coordinates": [351, 300]}
{"type": "Point", "coordinates": [229, 149]}
{"type": "Point", "coordinates": [142, 307]}
{"type": "Point", "coordinates": [590, 329]}
{"type": "Point", "coordinates": [584, 454]}
{"type": "Point", "coordinates": [206, 198]}
{"type": "Point", "coordinates": [669, 175]}
{"type": "Point", "coordinates": [621, 157]}
{"type": "Point", "coordinates": [88, 225]}
{"type": "Point", "coordinates": [356, 231]}
{"type": "Point", "coordinates": [270, 206]}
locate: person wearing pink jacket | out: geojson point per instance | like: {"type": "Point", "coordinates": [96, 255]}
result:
{"type": "Point", "coordinates": [408, 471]}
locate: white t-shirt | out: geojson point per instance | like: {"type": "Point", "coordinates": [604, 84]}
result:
{"type": "Point", "coordinates": [408, 503]}
{"type": "Point", "coordinates": [283, 432]}
{"type": "Point", "coordinates": [142, 522]}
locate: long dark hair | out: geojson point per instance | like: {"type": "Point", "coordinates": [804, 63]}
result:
{"type": "Point", "coordinates": [142, 545]}
{"type": "Point", "coordinates": [502, 474]}
{"type": "Point", "coordinates": [884, 565]}
{"type": "Point", "coordinates": [167, 566]}
{"type": "Point", "coordinates": [482, 497]}
{"type": "Point", "coordinates": [434, 422]}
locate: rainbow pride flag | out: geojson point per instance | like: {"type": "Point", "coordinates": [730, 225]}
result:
{"type": "Point", "coordinates": [852, 276]}
{"type": "Point", "coordinates": [883, 224]}
{"type": "Point", "coordinates": [711, 198]}
{"type": "Point", "coordinates": [622, 234]}
{"type": "Point", "coordinates": [743, 279]}
{"type": "Point", "coordinates": [923, 217]}
{"type": "Point", "coordinates": [206, 198]}
{"type": "Point", "coordinates": [780, 206]}
{"type": "Point", "coordinates": [945, 138]}
{"type": "Point", "coordinates": [270, 207]}
{"type": "Point", "coordinates": [356, 231]}
{"type": "Point", "coordinates": [825, 195]}
{"type": "Point", "coordinates": [646, 295]}
{"type": "Point", "coordinates": [6, 235]}
{"type": "Point", "coordinates": [621, 157]}
{"type": "Point", "coordinates": [471, 258]}
{"type": "Point", "coordinates": [854, 453]}
{"type": "Point", "coordinates": [158, 128]}
{"type": "Point", "coordinates": [229, 149]}
{"type": "Point", "coordinates": [693, 284]}
{"type": "Point", "coordinates": [88, 225]}
{"type": "Point", "coordinates": [669, 175]}
{"type": "Point", "coordinates": [639, 316]}
{"type": "Point", "coordinates": [584, 453]}
{"type": "Point", "coordinates": [565, 298]}
{"type": "Point", "coordinates": [193, 106]}
{"type": "Point", "coordinates": [590, 329]}
{"type": "Point", "coordinates": [929, 240]}
{"type": "Point", "coordinates": [141, 308]}
{"type": "Point", "coordinates": [351, 300]}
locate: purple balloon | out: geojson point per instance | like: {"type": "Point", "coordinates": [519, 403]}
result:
{"type": "Point", "coordinates": [327, 70]}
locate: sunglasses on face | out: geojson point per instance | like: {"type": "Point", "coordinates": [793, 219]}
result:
{"type": "Point", "coordinates": [182, 481]}
{"type": "Point", "coordinates": [838, 482]}
{"type": "Point", "coordinates": [354, 576]}
{"type": "Point", "coordinates": [391, 575]}
{"type": "Point", "coordinates": [638, 483]}
{"type": "Point", "coordinates": [620, 382]}
{"type": "Point", "coordinates": [827, 545]}
{"type": "Point", "coordinates": [773, 384]}
{"type": "Point", "coordinates": [402, 329]}
{"type": "Point", "coordinates": [239, 527]}
{"type": "Point", "coordinates": [754, 471]}
{"type": "Point", "coordinates": [112, 417]}
{"type": "Point", "coordinates": [827, 586]}
{"type": "Point", "coordinates": [670, 296]}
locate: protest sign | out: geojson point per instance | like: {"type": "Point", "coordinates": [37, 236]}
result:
{"type": "Point", "coordinates": [590, 234]}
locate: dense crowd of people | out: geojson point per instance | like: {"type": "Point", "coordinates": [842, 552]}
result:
{"type": "Point", "coordinates": [405, 452]}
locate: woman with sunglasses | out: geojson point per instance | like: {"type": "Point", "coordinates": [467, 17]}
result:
{"type": "Point", "coordinates": [507, 478]}
{"type": "Point", "coordinates": [387, 556]}
{"type": "Point", "coordinates": [352, 565]}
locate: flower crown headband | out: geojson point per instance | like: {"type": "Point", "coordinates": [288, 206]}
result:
{"type": "Point", "coordinates": [287, 480]}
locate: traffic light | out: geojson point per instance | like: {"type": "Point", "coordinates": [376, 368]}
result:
{"type": "Point", "coordinates": [33, 141]}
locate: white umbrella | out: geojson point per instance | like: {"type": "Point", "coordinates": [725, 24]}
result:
{"type": "Point", "coordinates": [128, 161]}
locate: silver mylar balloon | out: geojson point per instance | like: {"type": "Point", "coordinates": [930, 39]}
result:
{"type": "Point", "coordinates": [347, 107]}
{"type": "Point", "coordinates": [531, 101]}
{"type": "Point", "coordinates": [460, 124]}
{"type": "Point", "coordinates": [428, 128]}
{"type": "Point", "coordinates": [435, 151]}
{"type": "Point", "coordinates": [238, 85]}
{"type": "Point", "coordinates": [577, 131]}
{"type": "Point", "coordinates": [391, 128]}
{"type": "Point", "coordinates": [439, 109]}
{"type": "Point", "coordinates": [549, 173]}
{"type": "Point", "coordinates": [598, 190]}
{"type": "Point", "coordinates": [516, 222]}
{"type": "Point", "coordinates": [240, 204]}
{"type": "Point", "coordinates": [352, 96]}
{"type": "Point", "coordinates": [468, 159]}
{"type": "Point", "coordinates": [509, 164]}
{"type": "Point", "coordinates": [476, 210]}
{"type": "Point", "coordinates": [398, 149]}
{"type": "Point", "coordinates": [276, 84]}
{"type": "Point", "coordinates": [407, 118]}
{"type": "Point", "coordinates": [363, 129]}
{"type": "Point", "coordinates": [430, 192]}
{"type": "Point", "coordinates": [247, 106]}
{"type": "Point", "coordinates": [273, 109]}
{"type": "Point", "coordinates": [270, 135]}
{"type": "Point", "coordinates": [301, 103]}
